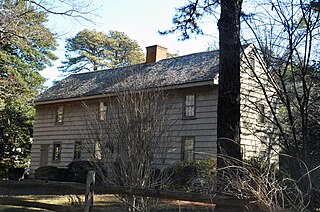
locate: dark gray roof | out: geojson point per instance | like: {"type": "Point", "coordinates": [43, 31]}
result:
{"type": "Point", "coordinates": [191, 68]}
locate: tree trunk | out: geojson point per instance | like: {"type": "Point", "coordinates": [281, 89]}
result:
{"type": "Point", "coordinates": [229, 152]}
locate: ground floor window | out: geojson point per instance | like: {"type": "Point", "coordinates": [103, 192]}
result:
{"type": "Point", "coordinates": [97, 150]}
{"type": "Point", "coordinates": [56, 156]}
{"type": "Point", "coordinates": [187, 149]}
{"type": "Point", "coordinates": [77, 150]}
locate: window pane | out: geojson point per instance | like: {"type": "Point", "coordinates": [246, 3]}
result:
{"type": "Point", "coordinates": [77, 150]}
{"type": "Point", "coordinates": [189, 109]}
{"type": "Point", "coordinates": [188, 149]}
{"type": "Point", "coordinates": [252, 63]}
{"type": "Point", "coordinates": [97, 151]}
{"type": "Point", "coordinates": [102, 111]}
{"type": "Point", "coordinates": [261, 113]}
{"type": "Point", "coordinates": [56, 152]}
{"type": "Point", "coordinates": [59, 115]}
{"type": "Point", "coordinates": [189, 100]}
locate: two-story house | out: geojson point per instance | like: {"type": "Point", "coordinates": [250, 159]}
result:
{"type": "Point", "coordinates": [62, 112]}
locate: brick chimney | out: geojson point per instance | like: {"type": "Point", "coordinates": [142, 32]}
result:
{"type": "Point", "coordinates": [155, 53]}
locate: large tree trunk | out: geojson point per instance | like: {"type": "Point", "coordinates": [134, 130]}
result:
{"type": "Point", "coordinates": [229, 152]}
{"type": "Point", "coordinates": [229, 82]}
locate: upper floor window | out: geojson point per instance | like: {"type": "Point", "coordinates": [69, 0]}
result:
{"type": "Point", "coordinates": [190, 105]}
{"type": "Point", "coordinates": [187, 149]}
{"type": "Point", "coordinates": [261, 113]}
{"type": "Point", "coordinates": [252, 63]}
{"type": "Point", "coordinates": [102, 111]}
{"type": "Point", "coordinates": [77, 150]}
{"type": "Point", "coordinates": [59, 114]}
{"type": "Point", "coordinates": [56, 154]}
{"type": "Point", "coordinates": [97, 150]}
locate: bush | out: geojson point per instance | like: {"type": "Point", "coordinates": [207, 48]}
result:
{"type": "Point", "coordinates": [53, 173]}
{"type": "Point", "coordinates": [44, 172]}
{"type": "Point", "coordinates": [316, 187]}
{"type": "Point", "coordinates": [15, 173]}
{"type": "Point", "coordinates": [79, 170]}
{"type": "Point", "coordinates": [198, 175]}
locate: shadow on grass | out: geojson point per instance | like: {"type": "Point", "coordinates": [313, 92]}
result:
{"type": "Point", "coordinates": [4, 208]}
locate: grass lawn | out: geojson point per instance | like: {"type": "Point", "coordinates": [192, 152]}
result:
{"type": "Point", "coordinates": [71, 200]}
{"type": "Point", "coordinates": [41, 192]}
{"type": "Point", "coordinates": [102, 202]}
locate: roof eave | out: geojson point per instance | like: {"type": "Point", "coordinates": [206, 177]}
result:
{"type": "Point", "coordinates": [213, 82]}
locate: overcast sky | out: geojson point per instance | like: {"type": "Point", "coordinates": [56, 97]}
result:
{"type": "Point", "coordinates": [139, 19]}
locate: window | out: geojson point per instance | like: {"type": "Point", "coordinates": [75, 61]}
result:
{"type": "Point", "coordinates": [261, 113]}
{"type": "Point", "coordinates": [97, 150]}
{"type": "Point", "coordinates": [56, 156]}
{"type": "Point", "coordinates": [189, 105]}
{"type": "Point", "coordinates": [77, 150]}
{"type": "Point", "coordinates": [102, 111]}
{"type": "Point", "coordinates": [59, 115]}
{"type": "Point", "coordinates": [187, 149]}
{"type": "Point", "coordinates": [252, 63]}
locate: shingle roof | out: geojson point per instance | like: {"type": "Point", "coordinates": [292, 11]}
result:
{"type": "Point", "coordinates": [191, 68]}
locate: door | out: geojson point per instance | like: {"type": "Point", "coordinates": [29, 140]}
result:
{"type": "Point", "coordinates": [44, 153]}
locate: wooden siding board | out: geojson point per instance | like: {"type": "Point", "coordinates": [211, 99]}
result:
{"type": "Point", "coordinates": [76, 118]}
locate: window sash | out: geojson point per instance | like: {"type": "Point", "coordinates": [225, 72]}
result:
{"type": "Point", "coordinates": [189, 107]}
{"type": "Point", "coordinates": [102, 111]}
{"type": "Point", "coordinates": [56, 155]}
{"type": "Point", "coordinates": [59, 114]}
{"type": "Point", "coordinates": [252, 63]}
{"type": "Point", "coordinates": [188, 149]}
{"type": "Point", "coordinates": [97, 151]}
{"type": "Point", "coordinates": [77, 150]}
{"type": "Point", "coordinates": [261, 114]}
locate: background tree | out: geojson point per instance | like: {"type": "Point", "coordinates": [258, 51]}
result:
{"type": "Point", "coordinates": [91, 50]}
{"type": "Point", "coordinates": [85, 49]}
{"type": "Point", "coordinates": [288, 37]}
{"type": "Point", "coordinates": [26, 47]}
{"type": "Point", "coordinates": [125, 51]}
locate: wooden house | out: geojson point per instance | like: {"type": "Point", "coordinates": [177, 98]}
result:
{"type": "Point", "coordinates": [63, 111]}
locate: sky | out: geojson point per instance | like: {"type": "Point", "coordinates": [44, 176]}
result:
{"type": "Point", "coordinates": [139, 19]}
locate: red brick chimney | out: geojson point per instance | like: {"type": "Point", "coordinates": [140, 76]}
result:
{"type": "Point", "coordinates": [155, 53]}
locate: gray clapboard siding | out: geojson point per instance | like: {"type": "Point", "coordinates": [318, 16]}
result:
{"type": "Point", "coordinates": [78, 115]}
{"type": "Point", "coordinates": [251, 96]}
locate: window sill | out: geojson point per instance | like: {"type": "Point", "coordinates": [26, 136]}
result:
{"type": "Point", "coordinates": [189, 117]}
{"type": "Point", "coordinates": [55, 161]}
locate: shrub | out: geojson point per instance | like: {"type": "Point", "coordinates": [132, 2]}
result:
{"type": "Point", "coordinates": [53, 173]}
{"type": "Point", "coordinates": [44, 172]}
{"type": "Point", "coordinates": [62, 174]}
{"type": "Point", "coordinates": [15, 173]}
{"type": "Point", "coordinates": [198, 175]}
{"type": "Point", "coordinates": [79, 170]}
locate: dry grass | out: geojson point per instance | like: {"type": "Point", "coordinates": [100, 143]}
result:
{"type": "Point", "coordinates": [57, 196]}
{"type": "Point", "coordinates": [102, 201]}
{"type": "Point", "coordinates": [70, 200]}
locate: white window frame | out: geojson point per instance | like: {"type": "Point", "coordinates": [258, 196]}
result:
{"type": "Point", "coordinates": [189, 110]}
{"type": "Point", "coordinates": [187, 148]}
{"type": "Point", "coordinates": [59, 114]}
{"type": "Point", "coordinates": [102, 111]}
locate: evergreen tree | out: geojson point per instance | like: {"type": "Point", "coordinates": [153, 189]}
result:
{"type": "Point", "coordinates": [91, 50]}
{"type": "Point", "coordinates": [26, 47]}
